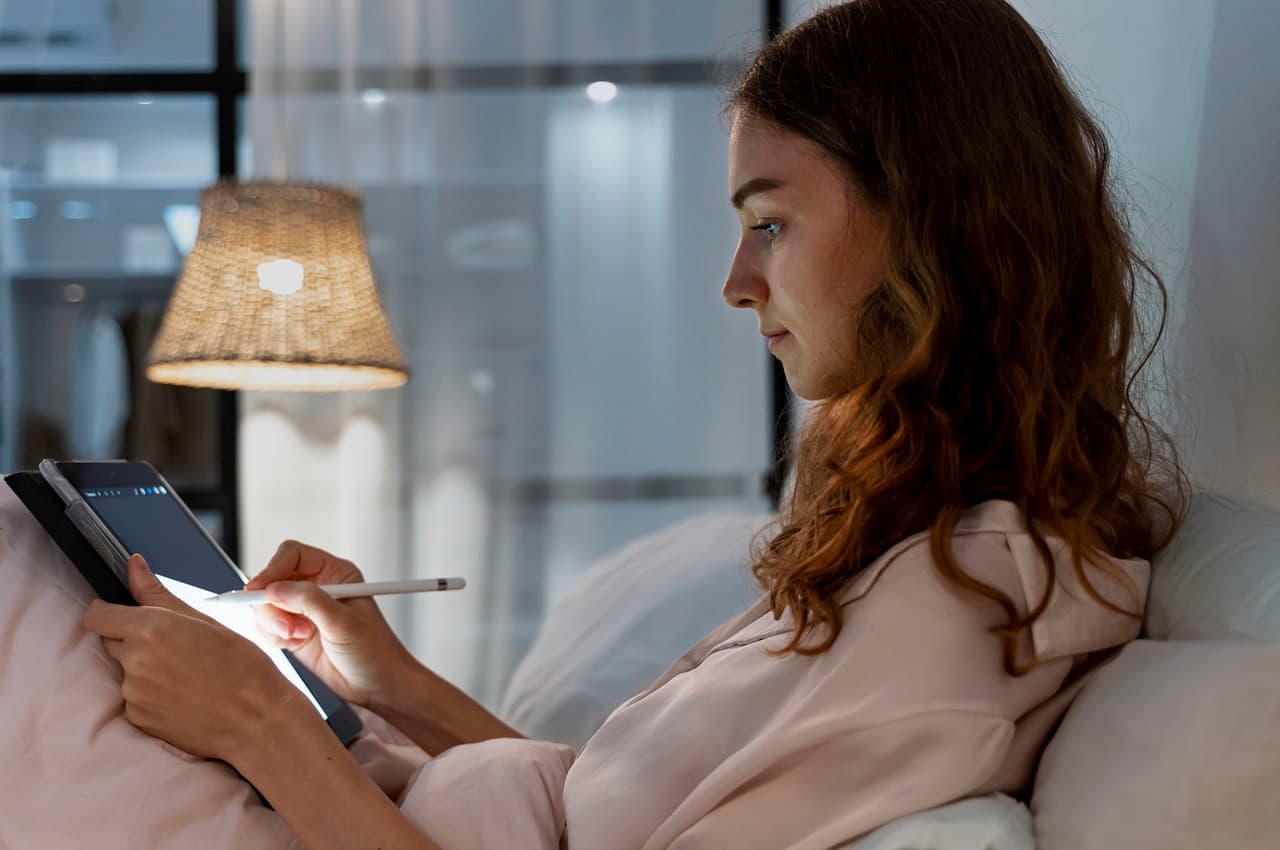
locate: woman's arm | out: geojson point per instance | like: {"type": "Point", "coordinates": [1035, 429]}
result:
{"type": "Point", "coordinates": [319, 789]}
{"type": "Point", "coordinates": [435, 714]}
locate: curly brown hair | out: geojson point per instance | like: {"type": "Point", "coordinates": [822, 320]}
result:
{"type": "Point", "coordinates": [999, 357]}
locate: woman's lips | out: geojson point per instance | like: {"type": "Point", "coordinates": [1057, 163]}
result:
{"type": "Point", "coordinates": [774, 339]}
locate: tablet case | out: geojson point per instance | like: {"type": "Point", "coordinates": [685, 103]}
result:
{"type": "Point", "coordinates": [48, 509]}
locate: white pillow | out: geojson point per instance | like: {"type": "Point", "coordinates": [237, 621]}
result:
{"type": "Point", "coordinates": [626, 619]}
{"type": "Point", "coordinates": [73, 771]}
{"type": "Point", "coordinates": [1220, 575]}
{"type": "Point", "coordinates": [1174, 744]}
{"type": "Point", "coordinates": [994, 822]}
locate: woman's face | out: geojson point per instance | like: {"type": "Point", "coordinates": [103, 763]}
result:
{"type": "Point", "coordinates": [809, 254]}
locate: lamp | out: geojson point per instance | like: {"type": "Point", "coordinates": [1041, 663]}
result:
{"type": "Point", "coordinates": [277, 294]}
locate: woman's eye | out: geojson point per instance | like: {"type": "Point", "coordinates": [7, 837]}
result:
{"type": "Point", "coordinates": [771, 230]}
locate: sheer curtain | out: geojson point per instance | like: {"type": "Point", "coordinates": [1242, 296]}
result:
{"type": "Point", "coordinates": [8, 343]}
{"type": "Point", "coordinates": [551, 264]}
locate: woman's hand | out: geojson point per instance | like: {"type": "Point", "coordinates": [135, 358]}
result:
{"type": "Point", "coordinates": [347, 643]}
{"type": "Point", "coordinates": [188, 679]}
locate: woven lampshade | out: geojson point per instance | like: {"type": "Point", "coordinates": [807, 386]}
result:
{"type": "Point", "coordinates": [277, 294]}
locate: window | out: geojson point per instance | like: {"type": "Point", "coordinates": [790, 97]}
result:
{"type": "Point", "coordinates": [111, 122]}
{"type": "Point", "coordinates": [66, 36]}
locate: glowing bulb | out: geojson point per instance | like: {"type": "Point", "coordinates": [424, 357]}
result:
{"type": "Point", "coordinates": [283, 277]}
{"type": "Point", "coordinates": [373, 97]}
{"type": "Point", "coordinates": [602, 91]}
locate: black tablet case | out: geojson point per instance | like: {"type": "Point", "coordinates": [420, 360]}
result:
{"type": "Point", "coordinates": [48, 509]}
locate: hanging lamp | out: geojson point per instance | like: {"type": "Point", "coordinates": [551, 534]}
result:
{"type": "Point", "coordinates": [277, 294]}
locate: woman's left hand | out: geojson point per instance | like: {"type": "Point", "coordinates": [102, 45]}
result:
{"type": "Point", "coordinates": [187, 678]}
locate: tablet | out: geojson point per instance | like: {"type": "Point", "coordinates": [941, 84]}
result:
{"type": "Point", "coordinates": [122, 507]}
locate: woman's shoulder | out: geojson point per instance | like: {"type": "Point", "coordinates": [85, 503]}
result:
{"type": "Point", "coordinates": [993, 544]}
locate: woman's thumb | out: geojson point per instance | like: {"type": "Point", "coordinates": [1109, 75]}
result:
{"type": "Point", "coordinates": [306, 598]}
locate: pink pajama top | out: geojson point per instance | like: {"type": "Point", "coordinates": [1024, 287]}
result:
{"type": "Point", "coordinates": [733, 748]}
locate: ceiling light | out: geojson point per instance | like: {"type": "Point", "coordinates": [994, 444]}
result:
{"type": "Point", "coordinates": [602, 91]}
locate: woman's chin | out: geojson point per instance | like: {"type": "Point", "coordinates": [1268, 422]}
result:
{"type": "Point", "coordinates": [809, 387]}
{"type": "Point", "coordinates": [801, 384]}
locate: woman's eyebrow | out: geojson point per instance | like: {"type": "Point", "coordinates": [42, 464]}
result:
{"type": "Point", "coordinates": [751, 187]}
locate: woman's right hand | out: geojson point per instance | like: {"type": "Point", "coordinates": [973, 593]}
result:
{"type": "Point", "coordinates": [346, 642]}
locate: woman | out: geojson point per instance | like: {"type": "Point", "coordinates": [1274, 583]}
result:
{"type": "Point", "coordinates": [931, 245]}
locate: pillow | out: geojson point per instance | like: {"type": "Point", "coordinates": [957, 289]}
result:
{"type": "Point", "coordinates": [67, 749]}
{"type": "Point", "coordinates": [626, 618]}
{"type": "Point", "coordinates": [65, 745]}
{"type": "Point", "coordinates": [1173, 744]}
{"type": "Point", "coordinates": [1220, 575]}
{"type": "Point", "coordinates": [994, 822]}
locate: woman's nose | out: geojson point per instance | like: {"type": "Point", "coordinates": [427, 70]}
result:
{"type": "Point", "coordinates": [744, 286]}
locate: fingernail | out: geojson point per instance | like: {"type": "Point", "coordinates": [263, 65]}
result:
{"type": "Point", "coordinates": [282, 627]}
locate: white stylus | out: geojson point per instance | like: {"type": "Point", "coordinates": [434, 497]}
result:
{"type": "Point", "coordinates": [346, 591]}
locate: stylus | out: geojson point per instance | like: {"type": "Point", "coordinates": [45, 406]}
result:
{"type": "Point", "coordinates": [346, 591]}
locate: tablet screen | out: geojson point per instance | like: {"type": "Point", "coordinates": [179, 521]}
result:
{"type": "Point", "coordinates": [148, 520]}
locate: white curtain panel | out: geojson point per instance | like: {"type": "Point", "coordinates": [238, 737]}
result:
{"type": "Point", "coordinates": [8, 341]}
{"type": "Point", "coordinates": [551, 266]}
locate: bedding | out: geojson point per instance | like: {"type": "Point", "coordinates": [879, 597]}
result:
{"type": "Point", "coordinates": [1218, 577]}
{"type": "Point", "coordinates": [65, 746]}
{"type": "Point", "coordinates": [993, 822]}
{"type": "Point", "coordinates": [1172, 746]}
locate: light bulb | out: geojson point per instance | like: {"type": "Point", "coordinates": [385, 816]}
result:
{"type": "Point", "coordinates": [283, 277]}
{"type": "Point", "coordinates": [602, 91]}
